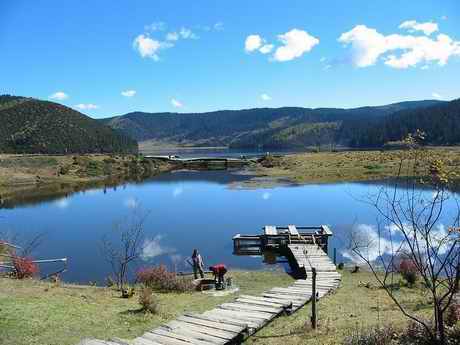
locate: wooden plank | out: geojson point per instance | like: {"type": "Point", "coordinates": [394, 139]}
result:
{"type": "Point", "coordinates": [289, 291]}
{"type": "Point", "coordinates": [262, 303]}
{"type": "Point", "coordinates": [162, 340]}
{"type": "Point", "coordinates": [205, 317]}
{"type": "Point", "coordinates": [251, 324]}
{"type": "Point", "coordinates": [195, 335]}
{"type": "Point", "coordinates": [238, 308]}
{"type": "Point", "coordinates": [326, 230]}
{"type": "Point", "coordinates": [212, 324]}
{"type": "Point", "coordinates": [251, 307]}
{"type": "Point", "coordinates": [284, 297]}
{"type": "Point", "coordinates": [250, 320]}
{"type": "Point", "coordinates": [293, 230]}
{"type": "Point", "coordinates": [175, 336]}
{"type": "Point", "coordinates": [284, 304]}
{"type": "Point", "coordinates": [144, 341]}
{"type": "Point", "coordinates": [270, 230]}
{"type": "Point", "coordinates": [202, 329]}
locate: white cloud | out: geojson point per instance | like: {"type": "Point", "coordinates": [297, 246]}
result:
{"type": "Point", "coordinates": [59, 95]}
{"type": "Point", "coordinates": [186, 33]}
{"type": "Point", "coordinates": [131, 202]}
{"type": "Point", "coordinates": [86, 106]}
{"type": "Point", "coordinates": [266, 196]}
{"type": "Point", "coordinates": [172, 36]}
{"type": "Point", "coordinates": [128, 93]}
{"type": "Point", "coordinates": [295, 44]}
{"type": "Point", "coordinates": [368, 46]}
{"type": "Point", "coordinates": [153, 248]}
{"type": "Point", "coordinates": [437, 96]}
{"type": "Point", "coordinates": [177, 191]}
{"type": "Point", "coordinates": [266, 48]}
{"type": "Point", "coordinates": [149, 47]}
{"type": "Point", "coordinates": [371, 244]}
{"type": "Point", "coordinates": [62, 203]}
{"type": "Point", "coordinates": [176, 104]}
{"type": "Point", "coordinates": [412, 26]}
{"type": "Point", "coordinates": [252, 43]}
{"type": "Point", "coordinates": [157, 26]}
{"type": "Point", "coordinates": [265, 97]}
{"type": "Point", "coordinates": [219, 26]}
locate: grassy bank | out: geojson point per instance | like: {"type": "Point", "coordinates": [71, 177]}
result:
{"type": "Point", "coordinates": [355, 306]}
{"type": "Point", "coordinates": [343, 166]}
{"type": "Point", "coordinates": [37, 313]}
{"type": "Point", "coordinates": [29, 177]}
{"type": "Point", "coordinates": [43, 313]}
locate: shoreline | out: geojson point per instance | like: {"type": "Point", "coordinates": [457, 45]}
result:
{"type": "Point", "coordinates": [27, 179]}
{"type": "Point", "coordinates": [31, 178]}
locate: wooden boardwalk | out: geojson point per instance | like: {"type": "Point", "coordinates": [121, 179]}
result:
{"type": "Point", "coordinates": [231, 323]}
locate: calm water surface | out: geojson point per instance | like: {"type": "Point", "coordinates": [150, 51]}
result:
{"type": "Point", "coordinates": [186, 210]}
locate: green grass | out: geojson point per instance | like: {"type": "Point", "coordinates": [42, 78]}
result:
{"type": "Point", "coordinates": [39, 313]}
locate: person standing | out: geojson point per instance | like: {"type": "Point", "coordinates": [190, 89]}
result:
{"type": "Point", "coordinates": [198, 264]}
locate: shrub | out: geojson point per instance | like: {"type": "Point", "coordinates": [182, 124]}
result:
{"type": "Point", "coordinates": [453, 314]}
{"type": "Point", "coordinates": [24, 267]}
{"type": "Point", "coordinates": [408, 270]}
{"type": "Point", "coordinates": [148, 301]}
{"type": "Point", "coordinates": [415, 334]}
{"type": "Point", "coordinates": [159, 278]}
{"type": "Point", "coordinates": [373, 336]}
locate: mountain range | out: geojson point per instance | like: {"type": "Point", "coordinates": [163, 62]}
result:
{"type": "Point", "coordinates": [287, 127]}
{"type": "Point", "coordinates": [29, 125]}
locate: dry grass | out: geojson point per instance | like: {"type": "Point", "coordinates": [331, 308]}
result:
{"type": "Point", "coordinates": [42, 313]}
{"type": "Point", "coordinates": [39, 313]}
{"type": "Point", "coordinates": [345, 166]}
{"type": "Point", "coordinates": [352, 307]}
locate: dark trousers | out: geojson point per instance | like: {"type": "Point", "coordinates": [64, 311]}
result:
{"type": "Point", "coordinates": [197, 269]}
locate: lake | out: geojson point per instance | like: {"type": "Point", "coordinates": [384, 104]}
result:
{"type": "Point", "coordinates": [186, 210]}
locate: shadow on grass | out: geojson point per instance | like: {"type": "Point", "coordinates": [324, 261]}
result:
{"type": "Point", "coordinates": [133, 311]}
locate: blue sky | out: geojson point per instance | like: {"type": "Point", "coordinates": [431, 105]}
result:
{"type": "Point", "coordinates": [107, 58]}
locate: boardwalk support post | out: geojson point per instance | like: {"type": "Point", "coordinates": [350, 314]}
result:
{"type": "Point", "coordinates": [313, 298]}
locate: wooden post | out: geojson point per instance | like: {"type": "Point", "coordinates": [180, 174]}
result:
{"type": "Point", "coordinates": [313, 300]}
{"type": "Point", "coordinates": [335, 256]}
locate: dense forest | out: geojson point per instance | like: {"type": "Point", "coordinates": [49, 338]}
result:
{"type": "Point", "coordinates": [268, 128]}
{"type": "Point", "coordinates": [441, 124]}
{"type": "Point", "coordinates": [29, 125]}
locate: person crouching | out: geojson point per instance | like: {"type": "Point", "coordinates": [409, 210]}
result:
{"type": "Point", "coordinates": [219, 271]}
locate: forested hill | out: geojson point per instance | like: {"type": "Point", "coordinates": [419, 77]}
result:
{"type": "Point", "coordinates": [440, 122]}
{"type": "Point", "coordinates": [262, 127]}
{"type": "Point", "coordinates": [29, 125]}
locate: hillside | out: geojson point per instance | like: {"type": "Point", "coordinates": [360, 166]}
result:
{"type": "Point", "coordinates": [261, 127]}
{"type": "Point", "coordinates": [440, 122]}
{"type": "Point", "coordinates": [33, 126]}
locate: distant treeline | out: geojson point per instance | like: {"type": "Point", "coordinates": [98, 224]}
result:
{"type": "Point", "coordinates": [28, 125]}
{"type": "Point", "coordinates": [441, 124]}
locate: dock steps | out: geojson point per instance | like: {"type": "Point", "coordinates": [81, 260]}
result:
{"type": "Point", "coordinates": [232, 322]}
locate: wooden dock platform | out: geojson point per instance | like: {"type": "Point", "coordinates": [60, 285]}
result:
{"type": "Point", "coordinates": [231, 323]}
{"type": "Point", "coordinates": [215, 163]}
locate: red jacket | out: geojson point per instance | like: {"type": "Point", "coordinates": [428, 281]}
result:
{"type": "Point", "coordinates": [218, 269]}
